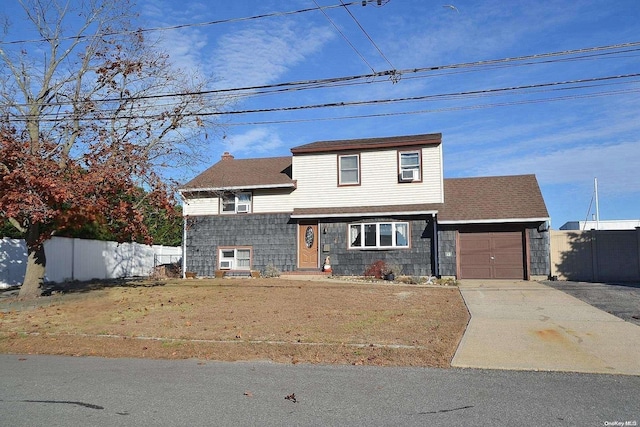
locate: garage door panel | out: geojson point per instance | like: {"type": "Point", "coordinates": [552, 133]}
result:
{"type": "Point", "coordinates": [471, 272]}
{"type": "Point", "coordinates": [491, 255]}
{"type": "Point", "coordinates": [513, 258]}
{"type": "Point", "coordinates": [507, 273]}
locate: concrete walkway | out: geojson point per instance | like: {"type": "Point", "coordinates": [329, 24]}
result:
{"type": "Point", "coordinates": [529, 326]}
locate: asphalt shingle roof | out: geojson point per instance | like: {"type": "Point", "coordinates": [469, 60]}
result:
{"type": "Point", "coordinates": [230, 172]}
{"type": "Point", "coordinates": [368, 143]}
{"type": "Point", "coordinates": [490, 198]}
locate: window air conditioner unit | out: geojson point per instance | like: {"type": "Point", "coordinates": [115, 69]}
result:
{"type": "Point", "coordinates": [409, 175]}
{"type": "Point", "coordinates": [226, 265]}
{"type": "Point", "coordinates": [243, 208]}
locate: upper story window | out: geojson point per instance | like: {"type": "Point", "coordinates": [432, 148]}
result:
{"type": "Point", "coordinates": [410, 166]}
{"type": "Point", "coordinates": [349, 169]}
{"type": "Point", "coordinates": [236, 203]}
{"type": "Point", "coordinates": [379, 235]}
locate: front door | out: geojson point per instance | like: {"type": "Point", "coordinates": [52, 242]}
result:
{"type": "Point", "coordinates": [308, 245]}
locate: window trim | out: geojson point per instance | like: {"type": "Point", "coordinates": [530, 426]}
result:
{"type": "Point", "coordinates": [235, 258]}
{"type": "Point", "coordinates": [363, 227]}
{"type": "Point", "coordinates": [359, 169]}
{"type": "Point", "coordinates": [400, 168]}
{"type": "Point", "coordinates": [236, 201]}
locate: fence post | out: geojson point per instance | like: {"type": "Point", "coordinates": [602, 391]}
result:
{"type": "Point", "coordinates": [594, 256]}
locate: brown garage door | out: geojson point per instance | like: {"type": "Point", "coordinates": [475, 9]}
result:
{"type": "Point", "coordinates": [496, 255]}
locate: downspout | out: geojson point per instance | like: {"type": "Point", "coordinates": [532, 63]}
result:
{"type": "Point", "coordinates": [184, 247]}
{"type": "Point", "coordinates": [436, 262]}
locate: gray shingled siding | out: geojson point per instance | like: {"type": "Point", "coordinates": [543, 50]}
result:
{"type": "Point", "coordinates": [540, 256]}
{"type": "Point", "coordinates": [415, 261]}
{"type": "Point", "coordinates": [447, 252]}
{"type": "Point", "coordinates": [271, 236]}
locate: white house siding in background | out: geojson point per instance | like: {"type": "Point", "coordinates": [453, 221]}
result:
{"type": "Point", "coordinates": [79, 259]}
{"type": "Point", "coordinates": [316, 176]}
{"type": "Point", "coordinates": [609, 224]}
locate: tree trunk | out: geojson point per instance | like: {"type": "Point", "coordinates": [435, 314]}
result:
{"type": "Point", "coordinates": [34, 277]}
{"type": "Point", "coordinates": [36, 262]}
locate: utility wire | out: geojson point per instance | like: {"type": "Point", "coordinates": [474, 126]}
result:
{"type": "Point", "coordinates": [394, 77]}
{"type": "Point", "coordinates": [436, 110]}
{"type": "Point", "coordinates": [328, 82]}
{"type": "Point", "coordinates": [577, 84]}
{"type": "Point", "coordinates": [345, 37]}
{"type": "Point", "coordinates": [192, 25]}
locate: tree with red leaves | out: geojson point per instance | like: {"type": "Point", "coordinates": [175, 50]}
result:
{"type": "Point", "coordinates": [87, 126]}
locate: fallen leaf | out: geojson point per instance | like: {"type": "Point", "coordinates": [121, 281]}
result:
{"type": "Point", "coordinates": [292, 397]}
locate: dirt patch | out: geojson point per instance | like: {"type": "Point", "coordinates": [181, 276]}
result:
{"type": "Point", "coordinates": [286, 321]}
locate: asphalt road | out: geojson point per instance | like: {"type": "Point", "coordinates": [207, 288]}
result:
{"type": "Point", "coordinates": [620, 299]}
{"type": "Point", "coordinates": [66, 391]}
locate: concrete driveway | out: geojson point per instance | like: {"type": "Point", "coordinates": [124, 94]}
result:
{"type": "Point", "coordinates": [529, 326]}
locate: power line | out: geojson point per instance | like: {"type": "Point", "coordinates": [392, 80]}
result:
{"type": "Point", "coordinates": [345, 37]}
{"type": "Point", "coordinates": [439, 110]}
{"type": "Point", "coordinates": [192, 25]}
{"type": "Point", "coordinates": [353, 79]}
{"type": "Point", "coordinates": [394, 77]}
{"type": "Point", "coordinates": [556, 86]}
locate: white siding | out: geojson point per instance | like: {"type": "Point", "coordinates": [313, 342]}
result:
{"type": "Point", "coordinates": [316, 176]}
{"type": "Point", "coordinates": [203, 206]}
{"type": "Point", "coordinates": [272, 201]}
{"type": "Point", "coordinates": [263, 201]}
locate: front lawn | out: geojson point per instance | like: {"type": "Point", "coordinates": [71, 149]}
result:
{"type": "Point", "coordinates": [286, 321]}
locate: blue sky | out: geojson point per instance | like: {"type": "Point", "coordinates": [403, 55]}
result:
{"type": "Point", "coordinates": [566, 134]}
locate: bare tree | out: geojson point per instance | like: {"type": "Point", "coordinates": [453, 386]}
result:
{"type": "Point", "coordinates": [87, 83]}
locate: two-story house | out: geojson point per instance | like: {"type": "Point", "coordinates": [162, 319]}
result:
{"type": "Point", "coordinates": [360, 201]}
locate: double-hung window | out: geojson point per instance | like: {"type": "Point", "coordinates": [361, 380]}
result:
{"type": "Point", "coordinates": [349, 169]}
{"type": "Point", "coordinates": [236, 203]}
{"type": "Point", "coordinates": [410, 166]}
{"type": "Point", "coordinates": [235, 259]}
{"type": "Point", "coordinates": [379, 235]}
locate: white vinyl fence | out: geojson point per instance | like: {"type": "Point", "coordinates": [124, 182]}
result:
{"type": "Point", "coordinates": [79, 259]}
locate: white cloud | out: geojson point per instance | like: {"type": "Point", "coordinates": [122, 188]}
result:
{"type": "Point", "coordinates": [615, 165]}
{"type": "Point", "coordinates": [256, 142]}
{"type": "Point", "coordinates": [185, 46]}
{"type": "Point", "coordinates": [263, 53]}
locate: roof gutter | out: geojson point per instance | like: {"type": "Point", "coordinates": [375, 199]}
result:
{"type": "Point", "coordinates": [493, 221]}
{"type": "Point", "coordinates": [360, 214]}
{"type": "Point", "coordinates": [238, 187]}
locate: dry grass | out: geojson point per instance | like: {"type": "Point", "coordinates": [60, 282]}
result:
{"type": "Point", "coordinates": [243, 319]}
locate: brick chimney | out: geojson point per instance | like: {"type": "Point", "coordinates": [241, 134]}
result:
{"type": "Point", "coordinates": [227, 156]}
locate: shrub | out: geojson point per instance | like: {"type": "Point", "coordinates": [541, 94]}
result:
{"type": "Point", "coordinates": [271, 271]}
{"type": "Point", "coordinates": [378, 269]}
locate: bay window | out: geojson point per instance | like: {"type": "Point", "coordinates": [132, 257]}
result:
{"type": "Point", "coordinates": [379, 235]}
